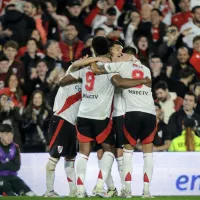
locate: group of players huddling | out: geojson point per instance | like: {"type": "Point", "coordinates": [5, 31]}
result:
{"type": "Point", "coordinates": [104, 101]}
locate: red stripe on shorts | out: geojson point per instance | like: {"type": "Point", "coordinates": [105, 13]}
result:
{"type": "Point", "coordinates": [70, 101]}
{"type": "Point", "coordinates": [105, 133]}
{"type": "Point", "coordinates": [83, 138]}
{"type": "Point", "coordinates": [60, 124]}
{"type": "Point", "coordinates": [150, 138]}
{"type": "Point", "coordinates": [129, 137]}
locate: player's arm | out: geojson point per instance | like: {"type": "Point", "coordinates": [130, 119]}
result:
{"type": "Point", "coordinates": [86, 61]}
{"type": "Point", "coordinates": [118, 81]}
{"type": "Point", "coordinates": [68, 79]}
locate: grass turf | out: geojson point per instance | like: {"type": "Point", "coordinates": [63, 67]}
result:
{"type": "Point", "coordinates": [96, 198]}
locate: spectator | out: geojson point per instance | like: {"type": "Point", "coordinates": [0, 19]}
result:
{"type": "Point", "coordinates": [197, 93]}
{"type": "Point", "coordinates": [31, 8]}
{"type": "Point", "coordinates": [15, 66]}
{"type": "Point", "coordinates": [61, 20]}
{"type": "Point", "coordinates": [162, 138]}
{"type": "Point", "coordinates": [182, 63]}
{"type": "Point", "coordinates": [9, 114]}
{"type": "Point", "coordinates": [112, 31]}
{"type": "Point", "coordinates": [73, 13]}
{"type": "Point", "coordinates": [187, 141]}
{"type": "Point", "coordinates": [99, 32]}
{"type": "Point", "coordinates": [4, 68]}
{"type": "Point", "coordinates": [182, 87]}
{"type": "Point", "coordinates": [10, 165]}
{"type": "Point", "coordinates": [17, 23]}
{"type": "Point", "coordinates": [36, 119]}
{"type": "Point", "coordinates": [184, 15]}
{"type": "Point", "coordinates": [193, 26]}
{"type": "Point", "coordinates": [157, 69]}
{"type": "Point", "coordinates": [88, 50]}
{"type": "Point", "coordinates": [132, 33]}
{"type": "Point", "coordinates": [168, 101]}
{"type": "Point", "coordinates": [167, 8]}
{"type": "Point", "coordinates": [30, 57]}
{"type": "Point", "coordinates": [143, 47]}
{"type": "Point", "coordinates": [195, 58]}
{"type": "Point", "coordinates": [53, 56]}
{"type": "Point", "coordinates": [71, 47]}
{"type": "Point", "coordinates": [14, 91]}
{"type": "Point", "coordinates": [188, 111]}
{"type": "Point", "coordinates": [38, 79]}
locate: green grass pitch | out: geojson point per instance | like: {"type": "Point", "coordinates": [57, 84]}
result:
{"type": "Point", "coordinates": [96, 198]}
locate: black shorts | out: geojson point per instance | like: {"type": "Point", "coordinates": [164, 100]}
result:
{"type": "Point", "coordinates": [62, 138]}
{"type": "Point", "coordinates": [117, 133]}
{"type": "Point", "coordinates": [139, 125]}
{"type": "Point", "coordinates": [94, 130]}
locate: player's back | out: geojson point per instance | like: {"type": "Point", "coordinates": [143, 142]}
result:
{"type": "Point", "coordinates": [97, 95]}
{"type": "Point", "coordinates": [67, 101]}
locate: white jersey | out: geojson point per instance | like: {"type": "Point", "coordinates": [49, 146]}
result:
{"type": "Point", "coordinates": [97, 94]}
{"type": "Point", "coordinates": [67, 102]}
{"type": "Point", "coordinates": [119, 106]}
{"type": "Point", "coordinates": [138, 98]}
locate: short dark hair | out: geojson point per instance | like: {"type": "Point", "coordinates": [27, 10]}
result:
{"type": "Point", "coordinates": [112, 44]}
{"type": "Point", "coordinates": [196, 38]}
{"type": "Point", "coordinates": [11, 44]}
{"type": "Point", "coordinates": [49, 43]}
{"type": "Point", "coordinates": [6, 128]}
{"type": "Point", "coordinates": [52, 2]}
{"type": "Point", "coordinates": [100, 45]}
{"type": "Point", "coordinates": [130, 50]}
{"type": "Point", "coordinates": [155, 56]}
{"type": "Point", "coordinates": [3, 58]}
{"type": "Point", "coordinates": [195, 8]}
{"type": "Point", "coordinates": [33, 2]}
{"type": "Point", "coordinates": [32, 39]}
{"type": "Point", "coordinates": [191, 94]}
{"type": "Point", "coordinates": [161, 85]}
{"type": "Point", "coordinates": [111, 11]}
{"type": "Point", "coordinates": [186, 72]}
{"type": "Point", "coordinates": [97, 30]}
{"type": "Point", "coordinates": [158, 11]}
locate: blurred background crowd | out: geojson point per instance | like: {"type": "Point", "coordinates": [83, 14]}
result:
{"type": "Point", "coordinates": [40, 38]}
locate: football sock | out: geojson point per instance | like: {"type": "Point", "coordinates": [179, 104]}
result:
{"type": "Point", "coordinates": [105, 167]}
{"type": "Point", "coordinates": [127, 168]}
{"type": "Point", "coordinates": [120, 169]}
{"type": "Point", "coordinates": [148, 171]}
{"type": "Point", "coordinates": [70, 173]}
{"type": "Point", "coordinates": [50, 173]}
{"type": "Point", "coordinates": [81, 164]}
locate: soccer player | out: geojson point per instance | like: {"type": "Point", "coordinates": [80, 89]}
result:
{"type": "Point", "coordinates": [94, 122]}
{"type": "Point", "coordinates": [139, 121]}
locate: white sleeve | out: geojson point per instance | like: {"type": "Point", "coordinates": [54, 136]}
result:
{"type": "Point", "coordinates": [113, 67]}
{"type": "Point", "coordinates": [147, 72]}
{"type": "Point", "coordinates": [77, 74]}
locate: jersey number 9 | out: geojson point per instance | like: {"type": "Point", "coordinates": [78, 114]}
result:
{"type": "Point", "coordinates": [90, 78]}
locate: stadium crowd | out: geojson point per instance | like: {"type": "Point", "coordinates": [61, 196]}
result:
{"type": "Point", "coordinates": [39, 39]}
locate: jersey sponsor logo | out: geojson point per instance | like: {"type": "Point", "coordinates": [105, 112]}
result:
{"type": "Point", "coordinates": [90, 96]}
{"type": "Point", "coordinates": [60, 149]}
{"type": "Point", "coordinates": [77, 87]}
{"type": "Point", "coordinates": [138, 92]}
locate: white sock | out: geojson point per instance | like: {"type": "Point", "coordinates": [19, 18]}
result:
{"type": "Point", "coordinates": [109, 181]}
{"type": "Point", "coordinates": [70, 173]}
{"type": "Point", "coordinates": [81, 164]}
{"type": "Point", "coordinates": [147, 170]}
{"type": "Point", "coordinates": [50, 173]}
{"type": "Point", "coordinates": [105, 167]}
{"type": "Point", "coordinates": [127, 168]}
{"type": "Point", "coordinates": [120, 169]}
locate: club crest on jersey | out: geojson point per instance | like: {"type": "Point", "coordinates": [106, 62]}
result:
{"type": "Point", "coordinates": [60, 148]}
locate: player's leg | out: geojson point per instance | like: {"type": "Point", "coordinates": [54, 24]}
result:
{"type": "Point", "coordinates": [20, 187]}
{"type": "Point", "coordinates": [6, 187]}
{"type": "Point", "coordinates": [147, 136]}
{"type": "Point", "coordinates": [55, 127]}
{"type": "Point", "coordinates": [131, 130]}
{"type": "Point", "coordinates": [85, 138]}
{"type": "Point", "coordinates": [70, 152]}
